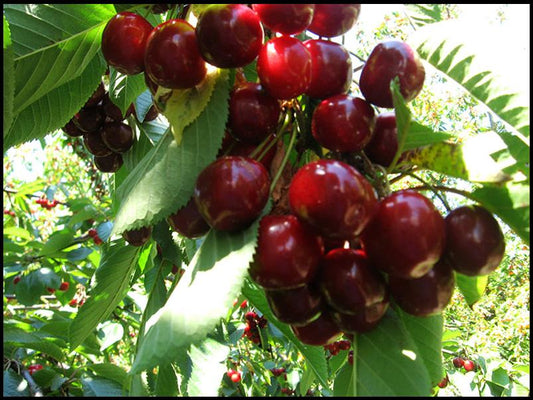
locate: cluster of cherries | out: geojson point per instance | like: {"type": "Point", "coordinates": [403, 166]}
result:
{"type": "Point", "coordinates": [334, 259]}
{"type": "Point", "coordinates": [45, 203]}
{"type": "Point", "coordinates": [254, 322]}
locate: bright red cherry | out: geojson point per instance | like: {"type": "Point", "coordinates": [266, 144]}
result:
{"type": "Point", "coordinates": [64, 286]}
{"type": "Point", "coordinates": [253, 113]}
{"type": "Point", "coordinates": [383, 144]}
{"type": "Point", "coordinates": [284, 67]}
{"type": "Point", "coordinates": [231, 192]}
{"type": "Point", "coordinates": [475, 243]}
{"type": "Point", "coordinates": [236, 377]}
{"type": "Point", "coordinates": [386, 61]}
{"type": "Point", "coordinates": [297, 306]}
{"type": "Point", "coordinates": [405, 237]}
{"type": "Point", "coordinates": [124, 41]}
{"type": "Point", "coordinates": [343, 123]}
{"type": "Point", "coordinates": [319, 332]}
{"type": "Point", "coordinates": [469, 365]}
{"type": "Point", "coordinates": [288, 19]}
{"type": "Point", "coordinates": [138, 237]}
{"type": "Point", "coordinates": [229, 35]}
{"type": "Point", "coordinates": [288, 253]}
{"type": "Point", "coordinates": [365, 320]}
{"type": "Point", "coordinates": [333, 198]}
{"type": "Point", "coordinates": [427, 295]}
{"type": "Point", "coordinates": [348, 281]}
{"type": "Point", "coordinates": [331, 68]}
{"type": "Point", "coordinates": [332, 20]}
{"type": "Point", "coordinates": [188, 221]}
{"type": "Point", "coordinates": [110, 163]}
{"type": "Point", "coordinates": [172, 58]}
{"type": "Point", "coordinates": [117, 136]}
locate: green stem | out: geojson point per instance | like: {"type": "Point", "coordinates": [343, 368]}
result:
{"type": "Point", "coordinates": [432, 188]}
{"type": "Point", "coordinates": [295, 130]}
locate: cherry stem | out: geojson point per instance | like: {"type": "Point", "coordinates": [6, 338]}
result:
{"type": "Point", "coordinates": [433, 189]}
{"type": "Point", "coordinates": [295, 131]}
{"type": "Point", "coordinates": [446, 189]}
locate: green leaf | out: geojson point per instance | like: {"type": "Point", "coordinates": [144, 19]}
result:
{"type": "Point", "coordinates": [124, 89]}
{"type": "Point", "coordinates": [33, 285]}
{"type": "Point", "coordinates": [166, 384]}
{"type": "Point", "coordinates": [9, 77]}
{"type": "Point", "coordinates": [164, 180]}
{"type": "Point", "coordinates": [53, 43]}
{"type": "Point", "coordinates": [208, 366]}
{"type": "Point", "coordinates": [101, 387]}
{"type": "Point", "coordinates": [111, 285]}
{"type": "Point", "coordinates": [20, 338]}
{"type": "Point", "coordinates": [109, 333]}
{"type": "Point", "coordinates": [110, 371]}
{"type": "Point", "coordinates": [420, 135]}
{"type": "Point", "coordinates": [423, 14]}
{"type": "Point", "coordinates": [58, 240]}
{"type": "Point", "coordinates": [218, 268]}
{"type": "Point", "coordinates": [14, 385]}
{"type": "Point", "coordinates": [343, 385]}
{"type": "Point", "coordinates": [451, 48]}
{"type": "Point", "coordinates": [471, 287]}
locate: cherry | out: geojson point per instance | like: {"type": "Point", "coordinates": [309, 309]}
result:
{"type": "Point", "coordinates": [386, 61]}
{"type": "Point", "coordinates": [427, 295]}
{"type": "Point", "coordinates": [405, 237]}
{"type": "Point", "coordinates": [188, 221]}
{"type": "Point", "coordinates": [16, 279]}
{"type": "Point", "coordinates": [383, 144]}
{"type": "Point", "coordinates": [172, 58]}
{"type": "Point", "coordinates": [341, 211]}
{"type": "Point", "coordinates": [236, 377]}
{"type": "Point", "coordinates": [318, 332]}
{"type": "Point", "coordinates": [475, 243]}
{"type": "Point", "coordinates": [64, 286]}
{"type": "Point", "coordinates": [348, 281]}
{"type": "Point", "coordinates": [34, 367]}
{"type": "Point", "coordinates": [138, 237]}
{"type": "Point", "coordinates": [89, 119]}
{"type": "Point", "coordinates": [365, 320]}
{"type": "Point", "coordinates": [51, 290]}
{"type": "Point", "coordinates": [231, 192]}
{"type": "Point", "coordinates": [443, 383]}
{"type": "Point", "coordinates": [297, 306]}
{"type": "Point", "coordinates": [124, 41]}
{"type": "Point", "coordinates": [343, 123]}
{"type": "Point", "coordinates": [253, 113]}
{"type": "Point", "coordinates": [331, 68]}
{"type": "Point", "coordinates": [330, 20]}
{"type": "Point", "coordinates": [469, 365]}
{"type": "Point", "coordinates": [288, 19]}
{"type": "Point", "coordinates": [113, 111]}
{"type": "Point", "coordinates": [95, 144]}
{"type": "Point", "coordinates": [288, 254]}
{"type": "Point", "coordinates": [229, 35]}
{"type": "Point", "coordinates": [110, 163]}
{"type": "Point", "coordinates": [284, 67]}
{"type": "Point", "coordinates": [97, 96]}
{"type": "Point", "coordinates": [117, 136]}
{"type": "Point", "coordinates": [72, 130]}
{"type": "Point", "coordinates": [458, 362]}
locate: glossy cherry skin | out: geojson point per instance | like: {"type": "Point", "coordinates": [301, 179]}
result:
{"type": "Point", "coordinates": [288, 19]}
{"type": "Point", "coordinates": [386, 61]}
{"type": "Point", "coordinates": [288, 253]}
{"type": "Point", "coordinates": [406, 235]}
{"type": "Point", "coordinates": [475, 244]}
{"type": "Point", "coordinates": [229, 35]}
{"type": "Point", "coordinates": [97, 96]}
{"type": "Point", "coordinates": [72, 130]}
{"type": "Point", "coordinates": [348, 281]}
{"type": "Point", "coordinates": [330, 20]}
{"type": "Point", "coordinates": [117, 136]}
{"type": "Point", "coordinates": [113, 111]}
{"type": "Point", "coordinates": [124, 41]}
{"type": "Point", "coordinates": [253, 113]}
{"type": "Point", "coordinates": [319, 332]}
{"type": "Point", "coordinates": [427, 295]}
{"type": "Point", "coordinates": [298, 306]}
{"type": "Point", "coordinates": [231, 192]}
{"type": "Point", "coordinates": [172, 58]}
{"type": "Point", "coordinates": [284, 67]}
{"type": "Point", "coordinates": [333, 198]}
{"type": "Point", "coordinates": [89, 119]}
{"type": "Point", "coordinates": [110, 163]}
{"type": "Point", "coordinates": [365, 320]}
{"type": "Point", "coordinates": [331, 68]}
{"type": "Point", "coordinates": [188, 221]}
{"type": "Point", "coordinates": [138, 237]}
{"type": "Point", "coordinates": [383, 144]}
{"type": "Point", "coordinates": [343, 123]}
{"type": "Point", "coordinates": [95, 145]}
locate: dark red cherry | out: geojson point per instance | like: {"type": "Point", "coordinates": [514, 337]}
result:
{"type": "Point", "coordinates": [188, 221]}
{"type": "Point", "coordinates": [113, 111]}
{"type": "Point", "coordinates": [288, 19]}
{"type": "Point", "coordinates": [172, 58]}
{"type": "Point", "coordinates": [427, 295]}
{"type": "Point", "coordinates": [97, 96]}
{"type": "Point", "coordinates": [298, 306]}
{"type": "Point", "coordinates": [253, 113]}
{"type": "Point", "coordinates": [383, 144]}
{"type": "Point", "coordinates": [284, 67]}
{"type": "Point", "coordinates": [117, 136]}
{"type": "Point", "coordinates": [319, 332]}
{"type": "Point", "coordinates": [288, 253]}
{"type": "Point", "coordinates": [333, 197]}
{"type": "Point", "coordinates": [72, 130]}
{"type": "Point", "coordinates": [343, 123]}
{"type": "Point", "coordinates": [406, 235]}
{"type": "Point", "coordinates": [386, 61]}
{"type": "Point", "coordinates": [348, 281]}
{"type": "Point", "coordinates": [138, 237]}
{"type": "Point", "coordinates": [229, 35]}
{"type": "Point", "coordinates": [330, 20]}
{"type": "Point", "coordinates": [475, 243]}
{"type": "Point", "coordinates": [231, 192]}
{"type": "Point", "coordinates": [363, 321]}
{"type": "Point", "coordinates": [124, 41]}
{"type": "Point", "coordinates": [89, 119]}
{"type": "Point", "coordinates": [110, 163]}
{"type": "Point", "coordinates": [95, 144]}
{"type": "Point", "coordinates": [331, 68]}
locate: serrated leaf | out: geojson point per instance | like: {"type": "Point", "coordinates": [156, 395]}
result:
{"type": "Point", "coordinates": [57, 241]}
{"type": "Point", "coordinates": [471, 287]}
{"type": "Point", "coordinates": [109, 371]}
{"type": "Point", "coordinates": [124, 89]}
{"type": "Point", "coordinates": [423, 14]}
{"type": "Point", "coordinates": [101, 387]}
{"type": "Point", "coordinates": [420, 135]}
{"type": "Point", "coordinates": [164, 180]}
{"type": "Point", "coordinates": [20, 338]}
{"type": "Point", "coordinates": [111, 285]}
{"type": "Point", "coordinates": [218, 268]}
{"type": "Point", "coordinates": [208, 361]}
{"type": "Point", "coordinates": [9, 77]}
